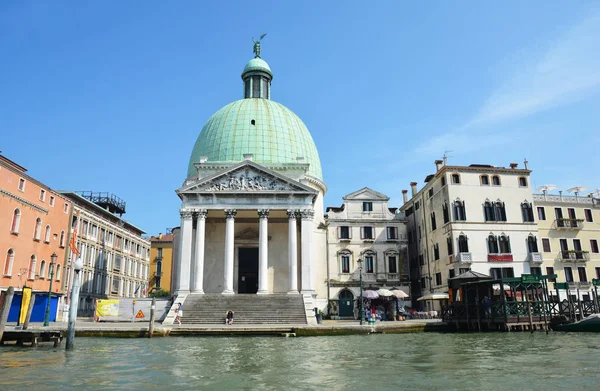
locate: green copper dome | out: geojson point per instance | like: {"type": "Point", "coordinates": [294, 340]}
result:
{"type": "Point", "coordinates": [256, 125]}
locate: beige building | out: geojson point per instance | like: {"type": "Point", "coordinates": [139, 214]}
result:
{"type": "Point", "coordinates": [364, 228]}
{"type": "Point", "coordinates": [115, 255]}
{"type": "Point", "coordinates": [569, 231]}
{"type": "Point", "coordinates": [161, 262]}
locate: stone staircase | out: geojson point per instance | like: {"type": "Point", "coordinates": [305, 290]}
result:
{"type": "Point", "coordinates": [249, 309]}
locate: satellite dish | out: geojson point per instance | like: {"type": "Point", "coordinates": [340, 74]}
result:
{"type": "Point", "coordinates": [546, 188]}
{"type": "Point", "coordinates": [577, 189]}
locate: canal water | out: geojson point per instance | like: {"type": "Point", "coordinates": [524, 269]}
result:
{"type": "Point", "coordinates": [419, 361]}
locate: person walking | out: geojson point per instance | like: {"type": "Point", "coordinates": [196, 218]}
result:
{"type": "Point", "coordinates": [178, 314]}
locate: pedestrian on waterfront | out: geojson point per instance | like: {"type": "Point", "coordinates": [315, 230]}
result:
{"type": "Point", "coordinates": [178, 314]}
{"type": "Point", "coordinates": [487, 306]}
{"type": "Point", "coordinates": [229, 317]}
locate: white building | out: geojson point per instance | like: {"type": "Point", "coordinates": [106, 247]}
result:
{"type": "Point", "coordinates": [477, 217]}
{"type": "Point", "coordinates": [252, 202]}
{"type": "Point", "coordinates": [364, 228]}
{"type": "Point", "coordinates": [115, 256]}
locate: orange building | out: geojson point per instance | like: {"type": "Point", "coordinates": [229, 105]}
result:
{"type": "Point", "coordinates": [34, 224]}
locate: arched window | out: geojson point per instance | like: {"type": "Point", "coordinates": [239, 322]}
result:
{"type": "Point", "coordinates": [527, 211]}
{"type": "Point", "coordinates": [32, 267]}
{"type": "Point", "coordinates": [456, 179]}
{"type": "Point", "coordinates": [62, 239]}
{"type": "Point", "coordinates": [459, 211]}
{"type": "Point", "coordinates": [445, 213]}
{"type": "Point", "coordinates": [463, 244]}
{"type": "Point", "coordinates": [488, 211]}
{"type": "Point", "coordinates": [532, 246]}
{"type": "Point", "coordinates": [8, 262]}
{"type": "Point", "coordinates": [484, 180]}
{"type": "Point", "coordinates": [47, 234]}
{"type": "Point", "coordinates": [16, 221]}
{"type": "Point", "coordinates": [57, 274]}
{"type": "Point", "coordinates": [492, 245]}
{"type": "Point", "coordinates": [500, 211]}
{"type": "Point", "coordinates": [369, 263]}
{"type": "Point", "coordinates": [43, 269]}
{"type": "Point", "coordinates": [159, 268]}
{"type": "Point", "coordinates": [345, 258]}
{"type": "Point", "coordinates": [37, 232]}
{"type": "Point", "coordinates": [392, 262]}
{"type": "Point", "coordinates": [522, 181]}
{"type": "Point", "coordinates": [433, 222]}
{"type": "Point", "coordinates": [496, 180]}
{"type": "Point", "coordinates": [504, 244]}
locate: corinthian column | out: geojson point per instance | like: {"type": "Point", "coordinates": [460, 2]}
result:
{"type": "Point", "coordinates": [229, 247]}
{"type": "Point", "coordinates": [199, 253]}
{"type": "Point", "coordinates": [292, 252]}
{"type": "Point", "coordinates": [185, 252]}
{"type": "Point", "coordinates": [308, 279]}
{"type": "Point", "coordinates": [263, 250]}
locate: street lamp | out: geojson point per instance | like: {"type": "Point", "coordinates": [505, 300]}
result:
{"type": "Point", "coordinates": [51, 272]}
{"type": "Point", "coordinates": [362, 310]}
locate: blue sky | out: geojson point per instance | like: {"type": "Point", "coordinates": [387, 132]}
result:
{"type": "Point", "coordinates": [111, 96]}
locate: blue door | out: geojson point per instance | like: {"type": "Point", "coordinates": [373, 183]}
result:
{"type": "Point", "coordinates": [39, 308]}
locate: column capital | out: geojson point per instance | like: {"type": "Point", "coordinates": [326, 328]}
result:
{"type": "Point", "coordinates": [201, 213]}
{"type": "Point", "coordinates": [306, 214]}
{"type": "Point", "coordinates": [186, 213]}
{"type": "Point", "coordinates": [263, 213]}
{"type": "Point", "coordinates": [230, 213]}
{"type": "Point", "coordinates": [292, 214]}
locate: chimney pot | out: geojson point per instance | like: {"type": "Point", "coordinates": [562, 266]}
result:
{"type": "Point", "coordinates": [413, 188]}
{"type": "Point", "coordinates": [514, 165]}
{"type": "Point", "coordinates": [438, 165]}
{"type": "Point", "coordinates": [405, 195]}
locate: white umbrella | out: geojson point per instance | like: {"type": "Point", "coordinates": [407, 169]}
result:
{"type": "Point", "coordinates": [370, 295]}
{"type": "Point", "coordinates": [399, 294]}
{"type": "Point", "coordinates": [384, 292]}
{"type": "Point", "coordinates": [434, 296]}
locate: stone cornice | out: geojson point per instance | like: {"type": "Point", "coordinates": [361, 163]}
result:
{"type": "Point", "coordinates": [23, 201]}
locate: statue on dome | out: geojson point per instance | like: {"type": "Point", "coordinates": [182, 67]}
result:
{"type": "Point", "coordinates": [256, 48]}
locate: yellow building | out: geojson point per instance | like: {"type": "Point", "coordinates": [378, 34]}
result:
{"type": "Point", "coordinates": [161, 261]}
{"type": "Point", "coordinates": [569, 232]}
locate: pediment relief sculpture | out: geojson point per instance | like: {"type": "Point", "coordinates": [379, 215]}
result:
{"type": "Point", "coordinates": [246, 180]}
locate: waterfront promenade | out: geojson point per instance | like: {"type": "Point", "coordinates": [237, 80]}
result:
{"type": "Point", "coordinates": [89, 328]}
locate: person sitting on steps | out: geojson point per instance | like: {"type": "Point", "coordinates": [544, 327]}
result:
{"type": "Point", "coordinates": [229, 317]}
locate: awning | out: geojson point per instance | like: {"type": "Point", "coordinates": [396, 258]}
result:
{"type": "Point", "coordinates": [434, 296]}
{"type": "Point", "coordinates": [384, 293]}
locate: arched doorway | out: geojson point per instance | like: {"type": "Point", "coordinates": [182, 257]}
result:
{"type": "Point", "coordinates": [346, 307]}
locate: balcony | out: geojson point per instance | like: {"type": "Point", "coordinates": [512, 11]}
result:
{"type": "Point", "coordinates": [500, 257]}
{"type": "Point", "coordinates": [573, 256]}
{"type": "Point", "coordinates": [535, 258]}
{"type": "Point", "coordinates": [464, 258]}
{"type": "Point", "coordinates": [568, 224]}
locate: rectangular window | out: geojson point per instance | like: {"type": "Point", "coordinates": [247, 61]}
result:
{"type": "Point", "coordinates": [582, 274]}
{"type": "Point", "coordinates": [588, 215]}
{"type": "Point", "coordinates": [443, 181]}
{"type": "Point", "coordinates": [367, 233]}
{"type": "Point", "coordinates": [508, 272]}
{"type": "Point", "coordinates": [66, 208]}
{"type": "Point", "coordinates": [549, 272]}
{"type": "Point", "coordinates": [594, 245]}
{"type": "Point", "coordinates": [423, 283]}
{"type": "Point", "coordinates": [463, 270]}
{"type": "Point", "coordinates": [536, 270]}
{"type": "Point", "coordinates": [572, 214]}
{"type": "Point", "coordinates": [369, 264]}
{"type": "Point", "coordinates": [42, 195]}
{"type": "Point", "coordinates": [430, 193]}
{"type": "Point", "coordinates": [496, 273]}
{"type": "Point", "coordinates": [421, 260]}
{"type": "Point", "coordinates": [568, 274]}
{"type": "Point", "coordinates": [456, 179]}
{"type": "Point", "coordinates": [445, 213]}
{"type": "Point", "coordinates": [502, 272]}
{"type": "Point", "coordinates": [449, 245]}
{"type": "Point", "coordinates": [541, 213]}
{"type": "Point", "coordinates": [345, 264]}
{"type": "Point", "coordinates": [51, 200]}
{"type": "Point", "coordinates": [451, 273]}
{"type": "Point", "coordinates": [21, 184]}
{"type": "Point", "coordinates": [344, 232]}
{"type": "Point", "coordinates": [438, 279]}
{"type": "Point", "coordinates": [546, 245]}
{"type": "Point", "coordinates": [436, 252]}
{"type": "Point", "coordinates": [392, 265]}
{"type": "Point", "coordinates": [367, 206]}
{"type": "Point", "coordinates": [159, 252]}
{"type": "Point", "coordinates": [598, 272]}
{"type": "Point", "coordinates": [433, 222]}
{"type": "Point", "coordinates": [392, 232]}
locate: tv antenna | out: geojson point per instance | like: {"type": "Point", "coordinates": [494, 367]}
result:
{"type": "Point", "coordinates": [446, 156]}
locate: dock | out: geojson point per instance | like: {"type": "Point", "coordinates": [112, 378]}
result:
{"type": "Point", "coordinates": [32, 337]}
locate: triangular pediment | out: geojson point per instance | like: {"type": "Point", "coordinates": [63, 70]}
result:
{"type": "Point", "coordinates": [367, 194]}
{"type": "Point", "coordinates": [246, 177]}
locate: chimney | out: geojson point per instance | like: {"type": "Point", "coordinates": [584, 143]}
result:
{"type": "Point", "coordinates": [248, 156]}
{"type": "Point", "coordinates": [160, 235]}
{"type": "Point", "coordinates": [514, 165]}
{"type": "Point", "coordinates": [405, 195]}
{"type": "Point", "coordinates": [438, 165]}
{"type": "Point", "coordinates": [560, 195]}
{"type": "Point", "coordinates": [413, 188]}
{"type": "Point", "coordinates": [526, 164]}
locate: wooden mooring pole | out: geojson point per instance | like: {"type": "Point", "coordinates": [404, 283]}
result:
{"type": "Point", "coordinates": [8, 298]}
{"type": "Point", "coordinates": [152, 311]}
{"type": "Point", "coordinates": [29, 311]}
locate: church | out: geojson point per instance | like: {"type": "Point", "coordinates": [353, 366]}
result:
{"type": "Point", "coordinates": [252, 203]}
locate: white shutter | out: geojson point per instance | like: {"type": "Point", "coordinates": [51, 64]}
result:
{"type": "Point", "coordinates": [339, 232]}
{"type": "Point", "coordinates": [350, 232]}
{"type": "Point", "coordinates": [362, 232]}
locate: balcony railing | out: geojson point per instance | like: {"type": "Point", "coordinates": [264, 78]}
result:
{"type": "Point", "coordinates": [567, 224]}
{"type": "Point", "coordinates": [535, 258]}
{"type": "Point", "coordinates": [573, 256]}
{"type": "Point", "coordinates": [464, 258]}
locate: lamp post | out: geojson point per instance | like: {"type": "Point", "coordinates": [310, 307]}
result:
{"type": "Point", "coordinates": [51, 273]}
{"type": "Point", "coordinates": [73, 302]}
{"type": "Point", "coordinates": [362, 310]}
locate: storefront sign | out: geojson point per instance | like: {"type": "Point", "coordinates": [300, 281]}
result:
{"type": "Point", "coordinates": [596, 281]}
{"type": "Point", "coordinates": [561, 285]}
{"type": "Point", "coordinates": [530, 278]}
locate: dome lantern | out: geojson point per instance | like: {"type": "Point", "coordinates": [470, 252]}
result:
{"type": "Point", "coordinates": [257, 75]}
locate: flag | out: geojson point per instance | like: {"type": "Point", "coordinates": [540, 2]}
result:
{"type": "Point", "coordinates": [138, 288]}
{"type": "Point", "coordinates": [144, 290]}
{"type": "Point", "coordinates": [73, 243]}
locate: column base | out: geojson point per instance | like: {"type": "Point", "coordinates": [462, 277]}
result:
{"type": "Point", "coordinates": [197, 292]}
{"type": "Point", "coordinates": [182, 292]}
{"type": "Point", "coordinates": [263, 292]}
{"type": "Point", "coordinates": [307, 292]}
{"type": "Point", "coordinates": [293, 293]}
{"type": "Point", "coordinates": [228, 293]}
